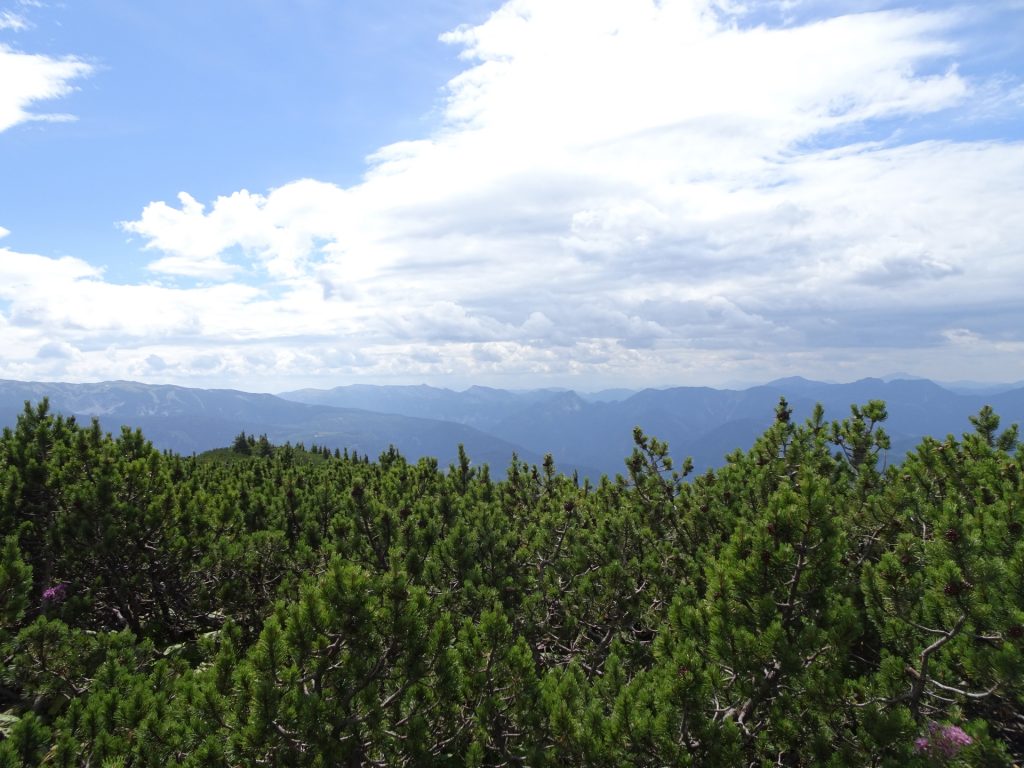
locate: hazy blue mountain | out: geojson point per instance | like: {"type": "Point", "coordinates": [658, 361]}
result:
{"type": "Point", "coordinates": [701, 422]}
{"type": "Point", "coordinates": [588, 433]}
{"type": "Point", "coordinates": [190, 420]}
{"type": "Point", "coordinates": [608, 395]}
{"type": "Point", "coordinates": [967, 387]}
{"type": "Point", "coordinates": [479, 407]}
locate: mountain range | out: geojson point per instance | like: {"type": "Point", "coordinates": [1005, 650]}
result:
{"type": "Point", "coordinates": [590, 433]}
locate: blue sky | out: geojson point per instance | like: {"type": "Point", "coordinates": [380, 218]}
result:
{"type": "Point", "coordinates": [213, 97]}
{"type": "Point", "coordinates": [535, 193]}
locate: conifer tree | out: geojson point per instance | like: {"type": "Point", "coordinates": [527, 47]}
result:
{"type": "Point", "coordinates": [814, 601]}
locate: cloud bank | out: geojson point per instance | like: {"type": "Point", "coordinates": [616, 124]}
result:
{"type": "Point", "coordinates": [623, 192]}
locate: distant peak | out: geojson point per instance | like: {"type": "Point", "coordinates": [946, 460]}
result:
{"type": "Point", "coordinates": [902, 376]}
{"type": "Point", "coordinates": [794, 381]}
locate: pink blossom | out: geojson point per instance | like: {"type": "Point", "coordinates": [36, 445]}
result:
{"type": "Point", "coordinates": [943, 742]}
{"type": "Point", "coordinates": [56, 593]}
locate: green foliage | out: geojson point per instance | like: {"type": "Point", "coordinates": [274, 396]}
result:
{"type": "Point", "coordinates": [810, 603]}
{"type": "Point", "coordinates": [15, 583]}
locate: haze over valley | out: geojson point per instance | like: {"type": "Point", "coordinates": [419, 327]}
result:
{"type": "Point", "coordinates": [590, 433]}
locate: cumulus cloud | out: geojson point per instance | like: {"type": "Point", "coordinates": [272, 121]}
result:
{"type": "Point", "coordinates": [626, 191]}
{"type": "Point", "coordinates": [57, 350]}
{"type": "Point", "coordinates": [277, 232]}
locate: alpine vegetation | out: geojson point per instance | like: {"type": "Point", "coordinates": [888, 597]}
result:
{"type": "Point", "coordinates": [808, 603]}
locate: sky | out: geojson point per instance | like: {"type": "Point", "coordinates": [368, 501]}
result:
{"type": "Point", "coordinates": [575, 193]}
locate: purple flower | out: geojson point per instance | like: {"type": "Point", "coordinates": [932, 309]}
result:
{"type": "Point", "coordinates": [943, 742]}
{"type": "Point", "coordinates": [56, 593]}
{"type": "Point", "coordinates": [955, 735]}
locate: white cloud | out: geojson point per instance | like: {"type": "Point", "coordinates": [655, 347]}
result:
{"type": "Point", "coordinates": [28, 78]}
{"type": "Point", "coordinates": [12, 20]}
{"type": "Point", "coordinates": [58, 350]}
{"type": "Point", "coordinates": [277, 231]}
{"type": "Point", "coordinates": [630, 191]}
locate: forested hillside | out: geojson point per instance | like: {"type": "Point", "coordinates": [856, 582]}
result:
{"type": "Point", "coordinates": [805, 604]}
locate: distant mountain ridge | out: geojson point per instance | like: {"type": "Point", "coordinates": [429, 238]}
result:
{"type": "Point", "coordinates": [701, 422]}
{"type": "Point", "coordinates": [188, 420]}
{"type": "Point", "coordinates": [590, 433]}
